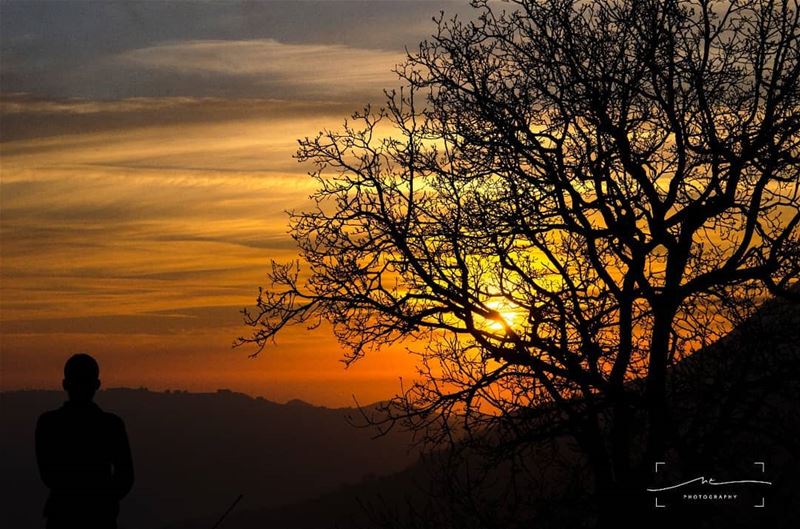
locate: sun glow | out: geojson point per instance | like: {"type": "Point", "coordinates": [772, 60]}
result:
{"type": "Point", "coordinates": [505, 316]}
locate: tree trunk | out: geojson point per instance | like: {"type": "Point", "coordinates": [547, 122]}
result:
{"type": "Point", "coordinates": [656, 389]}
{"type": "Point", "coordinates": [623, 498]}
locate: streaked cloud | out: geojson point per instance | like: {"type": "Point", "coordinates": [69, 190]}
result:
{"type": "Point", "coordinates": [139, 231]}
{"type": "Point", "coordinates": [330, 70]}
{"type": "Point", "coordinates": [27, 117]}
{"type": "Point", "coordinates": [23, 104]}
{"type": "Point", "coordinates": [146, 167]}
{"type": "Point", "coordinates": [70, 48]}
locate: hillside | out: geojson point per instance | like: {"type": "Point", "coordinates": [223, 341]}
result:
{"type": "Point", "coordinates": [734, 402]}
{"type": "Point", "coordinates": [305, 467]}
{"type": "Point", "coordinates": [195, 452]}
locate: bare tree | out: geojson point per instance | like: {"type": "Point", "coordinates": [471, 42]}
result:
{"type": "Point", "coordinates": [565, 197]}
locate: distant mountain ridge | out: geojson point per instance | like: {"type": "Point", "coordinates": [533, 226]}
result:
{"type": "Point", "coordinates": [195, 452]}
{"type": "Point", "coordinates": [734, 401]}
{"type": "Point", "coordinates": [302, 466]}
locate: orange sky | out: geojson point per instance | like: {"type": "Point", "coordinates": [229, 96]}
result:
{"type": "Point", "coordinates": [136, 227]}
{"type": "Point", "coordinates": [145, 170]}
{"type": "Point", "coordinates": [140, 245]}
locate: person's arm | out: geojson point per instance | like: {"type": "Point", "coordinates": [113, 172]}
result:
{"type": "Point", "coordinates": [123, 462]}
{"type": "Point", "coordinates": [44, 453]}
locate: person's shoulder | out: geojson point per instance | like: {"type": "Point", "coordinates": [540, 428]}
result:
{"type": "Point", "coordinates": [112, 417]}
{"type": "Point", "coordinates": [49, 417]}
{"type": "Point", "coordinates": [113, 420]}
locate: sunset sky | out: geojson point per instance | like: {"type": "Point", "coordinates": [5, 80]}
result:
{"type": "Point", "coordinates": [146, 167]}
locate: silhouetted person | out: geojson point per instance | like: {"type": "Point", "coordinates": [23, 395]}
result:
{"type": "Point", "coordinates": [83, 455]}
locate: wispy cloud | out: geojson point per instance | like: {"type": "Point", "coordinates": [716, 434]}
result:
{"type": "Point", "coordinates": [24, 104]}
{"type": "Point", "coordinates": [146, 167]}
{"type": "Point", "coordinates": [27, 117]}
{"type": "Point", "coordinates": [308, 69]}
{"type": "Point", "coordinates": [172, 198]}
{"type": "Point", "coordinates": [215, 107]}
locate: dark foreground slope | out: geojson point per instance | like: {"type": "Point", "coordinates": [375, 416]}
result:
{"type": "Point", "coordinates": [734, 404]}
{"type": "Point", "coordinates": [194, 453]}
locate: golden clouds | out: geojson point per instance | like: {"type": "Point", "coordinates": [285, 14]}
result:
{"type": "Point", "coordinates": [171, 199]}
{"type": "Point", "coordinates": [146, 238]}
{"type": "Point", "coordinates": [328, 70]}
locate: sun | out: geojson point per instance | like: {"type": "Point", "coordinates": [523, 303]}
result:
{"type": "Point", "coordinates": [505, 317]}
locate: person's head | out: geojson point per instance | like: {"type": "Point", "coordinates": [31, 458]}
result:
{"type": "Point", "coordinates": [81, 377]}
